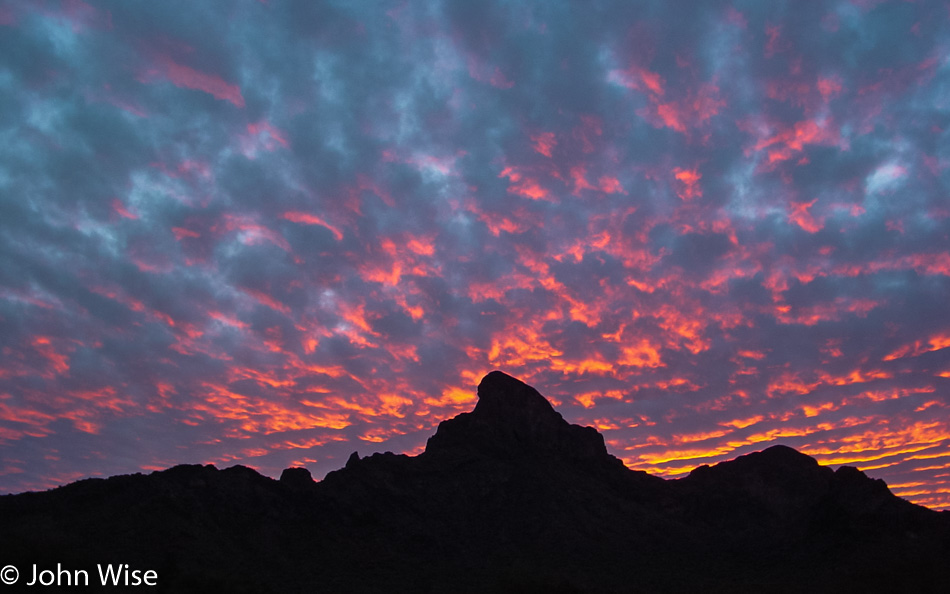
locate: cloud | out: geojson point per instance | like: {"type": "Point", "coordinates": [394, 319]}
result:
{"type": "Point", "coordinates": [272, 234]}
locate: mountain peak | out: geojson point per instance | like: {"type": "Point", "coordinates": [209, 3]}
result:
{"type": "Point", "coordinates": [512, 420]}
{"type": "Point", "coordinates": [503, 399]}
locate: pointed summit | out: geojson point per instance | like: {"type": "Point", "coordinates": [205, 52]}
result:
{"type": "Point", "coordinates": [513, 420]}
{"type": "Point", "coordinates": [503, 399]}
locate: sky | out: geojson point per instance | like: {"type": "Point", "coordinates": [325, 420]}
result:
{"type": "Point", "coordinates": [274, 233]}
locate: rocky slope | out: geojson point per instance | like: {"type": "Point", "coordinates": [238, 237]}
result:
{"type": "Point", "coordinates": [508, 497]}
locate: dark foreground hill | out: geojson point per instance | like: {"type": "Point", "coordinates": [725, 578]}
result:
{"type": "Point", "coordinates": [506, 498]}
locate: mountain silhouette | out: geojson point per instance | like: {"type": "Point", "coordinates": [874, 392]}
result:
{"type": "Point", "coordinates": [509, 497]}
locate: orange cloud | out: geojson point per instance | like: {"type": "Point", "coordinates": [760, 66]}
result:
{"type": "Point", "coordinates": [688, 187]}
{"type": "Point", "coordinates": [522, 185]}
{"type": "Point", "coordinates": [935, 343]}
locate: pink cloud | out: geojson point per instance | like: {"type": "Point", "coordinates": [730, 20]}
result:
{"type": "Point", "coordinates": [544, 143]}
{"type": "Point", "coordinates": [189, 78]}
{"type": "Point", "coordinates": [304, 218]}
{"type": "Point", "coordinates": [799, 214]}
